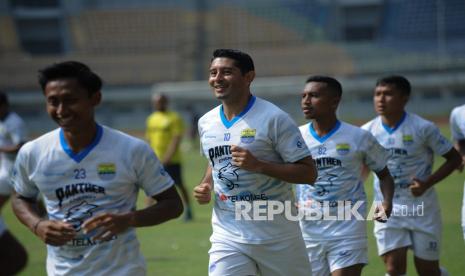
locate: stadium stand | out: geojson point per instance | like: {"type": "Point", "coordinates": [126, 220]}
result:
{"type": "Point", "coordinates": [423, 25]}
{"type": "Point", "coordinates": [134, 44]}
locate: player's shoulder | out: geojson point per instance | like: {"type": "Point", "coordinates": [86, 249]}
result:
{"type": "Point", "coordinates": [458, 111]}
{"type": "Point", "coordinates": [154, 116]}
{"type": "Point", "coordinates": [42, 143]}
{"type": "Point", "coordinates": [350, 130]}
{"type": "Point", "coordinates": [14, 119]}
{"type": "Point", "coordinates": [117, 137]}
{"type": "Point", "coordinates": [173, 113]}
{"type": "Point", "coordinates": [271, 108]}
{"type": "Point", "coordinates": [265, 113]}
{"type": "Point", "coordinates": [418, 122]}
{"type": "Point", "coordinates": [371, 124]}
{"type": "Point", "coordinates": [210, 115]}
{"type": "Point", "coordinates": [303, 128]}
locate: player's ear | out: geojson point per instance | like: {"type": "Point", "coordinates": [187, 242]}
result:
{"type": "Point", "coordinates": [406, 98]}
{"type": "Point", "coordinates": [250, 76]}
{"type": "Point", "coordinates": [336, 100]}
{"type": "Point", "coordinates": [96, 98]}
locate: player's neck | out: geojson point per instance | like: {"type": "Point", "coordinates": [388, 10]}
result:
{"type": "Point", "coordinates": [234, 107]}
{"type": "Point", "coordinates": [324, 125]}
{"type": "Point", "coordinates": [4, 115]}
{"type": "Point", "coordinates": [392, 120]}
{"type": "Point", "coordinates": [79, 140]}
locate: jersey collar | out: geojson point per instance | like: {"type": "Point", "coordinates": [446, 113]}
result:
{"type": "Point", "coordinates": [229, 124]}
{"type": "Point", "coordinates": [83, 153]}
{"type": "Point", "coordinates": [325, 137]}
{"type": "Point", "coordinates": [391, 130]}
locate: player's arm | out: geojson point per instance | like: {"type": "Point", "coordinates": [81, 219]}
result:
{"type": "Point", "coordinates": [12, 148]}
{"type": "Point", "coordinates": [52, 232]}
{"type": "Point", "coordinates": [168, 206]}
{"type": "Point", "coordinates": [453, 161]}
{"type": "Point", "coordinates": [386, 184]}
{"type": "Point", "coordinates": [302, 171]}
{"type": "Point", "coordinates": [460, 147]}
{"type": "Point", "coordinates": [203, 191]}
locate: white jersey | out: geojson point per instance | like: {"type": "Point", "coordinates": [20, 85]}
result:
{"type": "Point", "coordinates": [457, 128]}
{"type": "Point", "coordinates": [339, 157]}
{"type": "Point", "coordinates": [411, 145]}
{"type": "Point", "coordinates": [105, 177]}
{"type": "Point", "coordinates": [12, 133]}
{"type": "Point", "coordinates": [270, 135]}
{"type": "Point", "coordinates": [457, 123]}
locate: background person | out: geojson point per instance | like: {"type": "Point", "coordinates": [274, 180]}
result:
{"type": "Point", "coordinates": [13, 256]}
{"type": "Point", "coordinates": [164, 132]}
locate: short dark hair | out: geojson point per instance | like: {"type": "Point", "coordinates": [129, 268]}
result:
{"type": "Point", "coordinates": [3, 98]}
{"type": "Point", "coordinates": [333, 84]}
{"type": "Point", "coordinates": [242, 60]}
{"type": "Point", "coordinates": [71, 70]}
{"type": "Point", "coordinates": [398, 81]}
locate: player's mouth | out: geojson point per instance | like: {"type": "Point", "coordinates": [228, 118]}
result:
{"type": "Point", "coordinates": [67, 121]}
{"type": "Point", "coordinates": [307, 110]}
{"type": "Point", "coordinates": [220, 87]}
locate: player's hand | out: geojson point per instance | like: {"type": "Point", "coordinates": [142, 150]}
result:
{"type": "Point", "coordinates": [418, 187]}
{"type": "Point", "coordinates": [383, 211]}
{"type": "Point", "coordinates": [203, 193]}
{"type": "Point", "coordinates": [243, 159]}
{"type": "Point", "coordinates": [54, 232]}
{"type": "Point", "coordinates": [108, 224]}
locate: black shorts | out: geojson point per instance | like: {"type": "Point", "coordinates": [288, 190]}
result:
{"type": "Point", "coordinates": [174, 170]}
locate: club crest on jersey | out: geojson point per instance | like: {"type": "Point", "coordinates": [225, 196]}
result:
{"type": "Point", "coordinates": [248, 135]}
{"type": "Point", "coordinates": [106, 171]}
{"type": "Point", "coordinates": [407, 139]}
{"type": "Point", "coordinates": [343, 149]}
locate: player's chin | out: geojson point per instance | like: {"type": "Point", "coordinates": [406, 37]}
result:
{"type": "Point", "coordinates": [380, 111]}
{"type": "Point", "coordinates": [308, 115]}
{"type": "Point", "coordinates": [221, 96]}
{"type": "Point", "coordinates": [68, 127]}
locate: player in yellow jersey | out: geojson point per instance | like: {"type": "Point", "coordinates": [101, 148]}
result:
{"type": "Point", "coordinates": [164, 131]}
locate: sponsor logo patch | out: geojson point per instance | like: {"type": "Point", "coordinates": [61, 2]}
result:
{"type": "Point", "coordinates": [106, 171]}
{"type": "Point", "coordinates": [343, 149]}
{"type": "Point", "coordinates": [407, 139]}
{"type": "Point", "coordinates": [248, 135]}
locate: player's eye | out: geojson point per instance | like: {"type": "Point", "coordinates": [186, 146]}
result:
{"type": "Point", "coordinates": [52, 101]}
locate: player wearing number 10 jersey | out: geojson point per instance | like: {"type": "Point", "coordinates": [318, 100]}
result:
{"type": "Point", "coordinates": [254, 151]}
